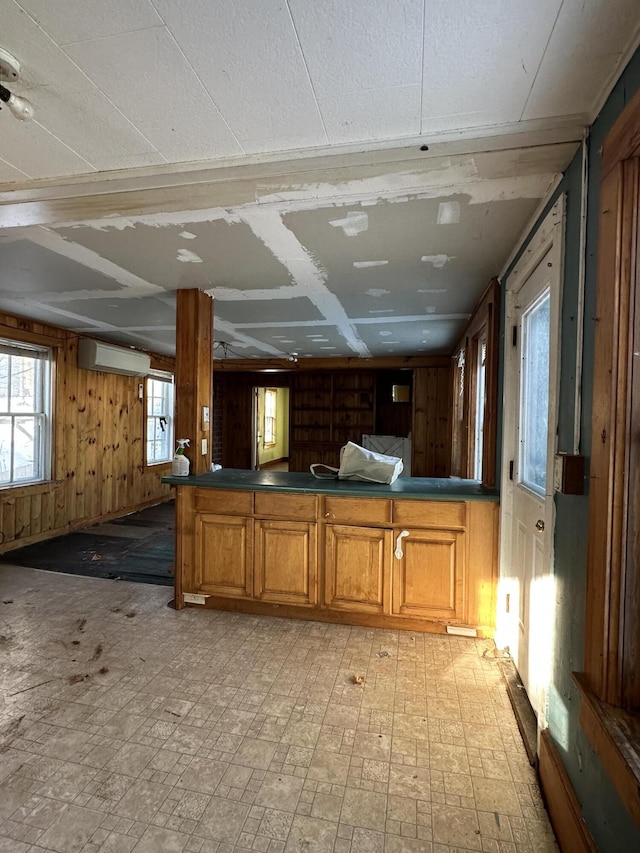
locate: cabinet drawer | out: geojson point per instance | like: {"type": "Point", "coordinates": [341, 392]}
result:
{"type": "Point", "coordinates": [223, 501]}
{"type": "Point", "coordinates": [444, 515]}
{"type": "Point", "coordinates": [282, 505]}
{"type": "Point", "coordinates": [357, 511]}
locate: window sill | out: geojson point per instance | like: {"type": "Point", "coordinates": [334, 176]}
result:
{"type": "Point", "coordinates": [18, 490]}
{"type": "Point", "coordinates": [158, 464]}
{"type": "Point", "coordinates": [614, 735]}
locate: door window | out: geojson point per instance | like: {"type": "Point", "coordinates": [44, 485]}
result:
{"type": "Point", "coordinates": [534, 395]}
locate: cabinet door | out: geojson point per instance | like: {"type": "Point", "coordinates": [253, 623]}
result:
{"type": "Point", "coordinates": [285, 565]}
{"type": "Point", "coordinates": [357, 575]}
{"type": "Point", "coordinates": [224, 555]}
{"type": "Point", "coordinates": [429, 577]}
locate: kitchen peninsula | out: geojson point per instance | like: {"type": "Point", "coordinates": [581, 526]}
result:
{"type": "Point", "coordinates": [420, 554]}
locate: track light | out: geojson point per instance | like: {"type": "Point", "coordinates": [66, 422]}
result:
{"type": "Point", "coordinates": [21, 108]}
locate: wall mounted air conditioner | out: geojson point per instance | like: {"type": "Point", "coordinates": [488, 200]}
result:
{"type": "Point", "coordinates": [96, 355]}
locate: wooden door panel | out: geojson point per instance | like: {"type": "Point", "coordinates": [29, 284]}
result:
{"type": "Point", "coordinates": [285, 569]}
{"type": "Point", "coordinates": [357, 576]}
{"type": "Point", "coordinates": [224, 555]}
{"type": "Point", "coordinates": [429, 578]}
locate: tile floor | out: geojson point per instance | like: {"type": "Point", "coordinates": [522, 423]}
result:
{"type": "Point", "coordinates": [127, 726]}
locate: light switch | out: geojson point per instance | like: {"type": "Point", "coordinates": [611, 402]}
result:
{"type": "Point", "coordinates": [204, 446]}
{"type": "Point", "coordinates": [205, 414]}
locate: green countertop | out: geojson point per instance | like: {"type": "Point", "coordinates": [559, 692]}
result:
{"type": "Point", "coordinates": [417, 488]}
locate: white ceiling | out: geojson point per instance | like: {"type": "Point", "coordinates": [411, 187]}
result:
{"type": "Point", "coordinates": [267, 151]}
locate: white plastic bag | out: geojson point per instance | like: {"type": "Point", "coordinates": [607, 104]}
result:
{"type": "Point", "coordinates": [358, 463]}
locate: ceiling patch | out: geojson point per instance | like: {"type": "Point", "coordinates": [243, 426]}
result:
{"type": "Point", "coordinates": [186, 256]}
{"type": "Point", "coordinates": [437, 261]}
{"type": "Point", "coordinates": [448, 213]}
{"type": "Point", "coordinates": [306, 273]}
{"type": "Point", "coordinates": [377, 292]}
{"type": "Point", "coordinates": [363, 265]}
{"type": "Point", "coordinates": [353, 224]}
{"type": "Point", "coordinates": [187, 235]}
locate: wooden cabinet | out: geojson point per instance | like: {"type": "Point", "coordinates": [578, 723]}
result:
{"type": "Point", "coordinates": [357, 568]}
{"type": "Point", "coordinates": [428, 579]}
{"type": "Point", "coordinates": [417, 571]}
{"type": "Point", "coordinates": [223, 555]}
{"type": "Point", "coordinates": [379, 561]}
{"type": "Point", "coordinates": [285, 562]}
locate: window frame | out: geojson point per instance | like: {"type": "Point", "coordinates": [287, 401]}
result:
{"type": "Point", "coordinates": [169, 380]}
{"type": "Point", "coordinates": [610, 707]}
{"type": "Point", "coordinates": [44, 354]}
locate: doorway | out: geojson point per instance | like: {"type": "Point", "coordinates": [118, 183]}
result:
{"type": "Point", "coordinates": [270, 442]}
{"type": "Point", "coordinates": [526, 603]}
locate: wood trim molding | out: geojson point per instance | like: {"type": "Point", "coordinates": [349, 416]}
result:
{"type": "Point", "coordinates": [615, 736]}
{"type": "Point", "coordinates": [562, 804]}
{"type": "Point", "coordinates": [623, 140]}
{"type": "Point", "coordinates": [257, 365]}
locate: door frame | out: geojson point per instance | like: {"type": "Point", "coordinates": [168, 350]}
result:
{"type": "Point", "coordinates": [548, 239]}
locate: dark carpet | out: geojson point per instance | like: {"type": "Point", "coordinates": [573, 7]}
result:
{"type": "Point", "coordinates": [137, 547]}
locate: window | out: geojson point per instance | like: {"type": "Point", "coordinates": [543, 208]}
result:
{"type": "Point", "coordinates": [480, 404]}
{"type": "Point", "coordinates": [459, 422]}
{"type": "Point", "coordinates": [25, 422]}
{"type": "Point", "coordinates": [159, 418]}
{"type": "Point", "coordinates": [475, 392]}
{"type": "Point", "coordinates": [270, 415]}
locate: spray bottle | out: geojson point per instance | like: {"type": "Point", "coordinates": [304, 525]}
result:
{"type": "Point", "coordinates": [180, 463]}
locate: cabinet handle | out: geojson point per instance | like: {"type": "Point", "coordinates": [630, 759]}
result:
{"type": "Point", "coordinates": [399, 553]}
{"type": "Point", "coordinates": [329, 515]}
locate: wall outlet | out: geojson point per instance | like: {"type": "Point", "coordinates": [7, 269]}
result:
{"type": "Point", "coordinates": [204, 446]}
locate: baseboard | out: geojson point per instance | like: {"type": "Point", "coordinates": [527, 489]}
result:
{"type": "Point", "coordinates": [524, 713]}
{"type": "Point", "coordinates": [562, 804]}
{"type": "Point", "coordinates": [270, 464]}
{"type": "Point", "coordinates": [81, 524]}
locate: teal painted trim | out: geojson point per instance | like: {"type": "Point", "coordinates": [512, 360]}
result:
{"type": "Point", "coordinates": [608, 820]}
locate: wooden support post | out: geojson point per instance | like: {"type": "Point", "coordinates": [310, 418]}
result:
{"type": "Point", "coordinates": [194, 374]}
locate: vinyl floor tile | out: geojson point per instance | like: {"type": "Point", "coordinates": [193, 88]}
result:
{"type": "Point", "coordinates": [128, 727]}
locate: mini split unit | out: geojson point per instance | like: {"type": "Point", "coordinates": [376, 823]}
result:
{"type": "Point", "coordinates": [95, 355]}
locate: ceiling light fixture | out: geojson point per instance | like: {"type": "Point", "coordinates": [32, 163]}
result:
{"type": "Point", "coordinates": [21, 108]}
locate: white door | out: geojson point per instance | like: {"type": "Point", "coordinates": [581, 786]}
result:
{"type": "Point", "coordinates": [527, 593]}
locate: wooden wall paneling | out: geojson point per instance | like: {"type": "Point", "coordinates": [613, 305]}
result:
{"type": "Point", "coordinates": [237, 422]}
{"type": "Point", "coordinates": [98, 468]}
{"type": "Point", "coordinates": [66, 427]}
{"type": "Point", "coordinates": [442, 461]}
{"type": "Point", "coordinates": [93, 430]}
{"type": "Point", "coordinates": [23, 517]}
{"type": "Point", "coordinates": [194, 373]}
{"type": "Point", "coordinates": [8, 520]}
{"type": "Point", "coordinates": [419, 465]}
{"type": "Point", "coordinates": [81, 458]}
{"type": "Point", "coordinates": [432, 418]}
{"type": "Point", "coordinates": [35, 515]}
